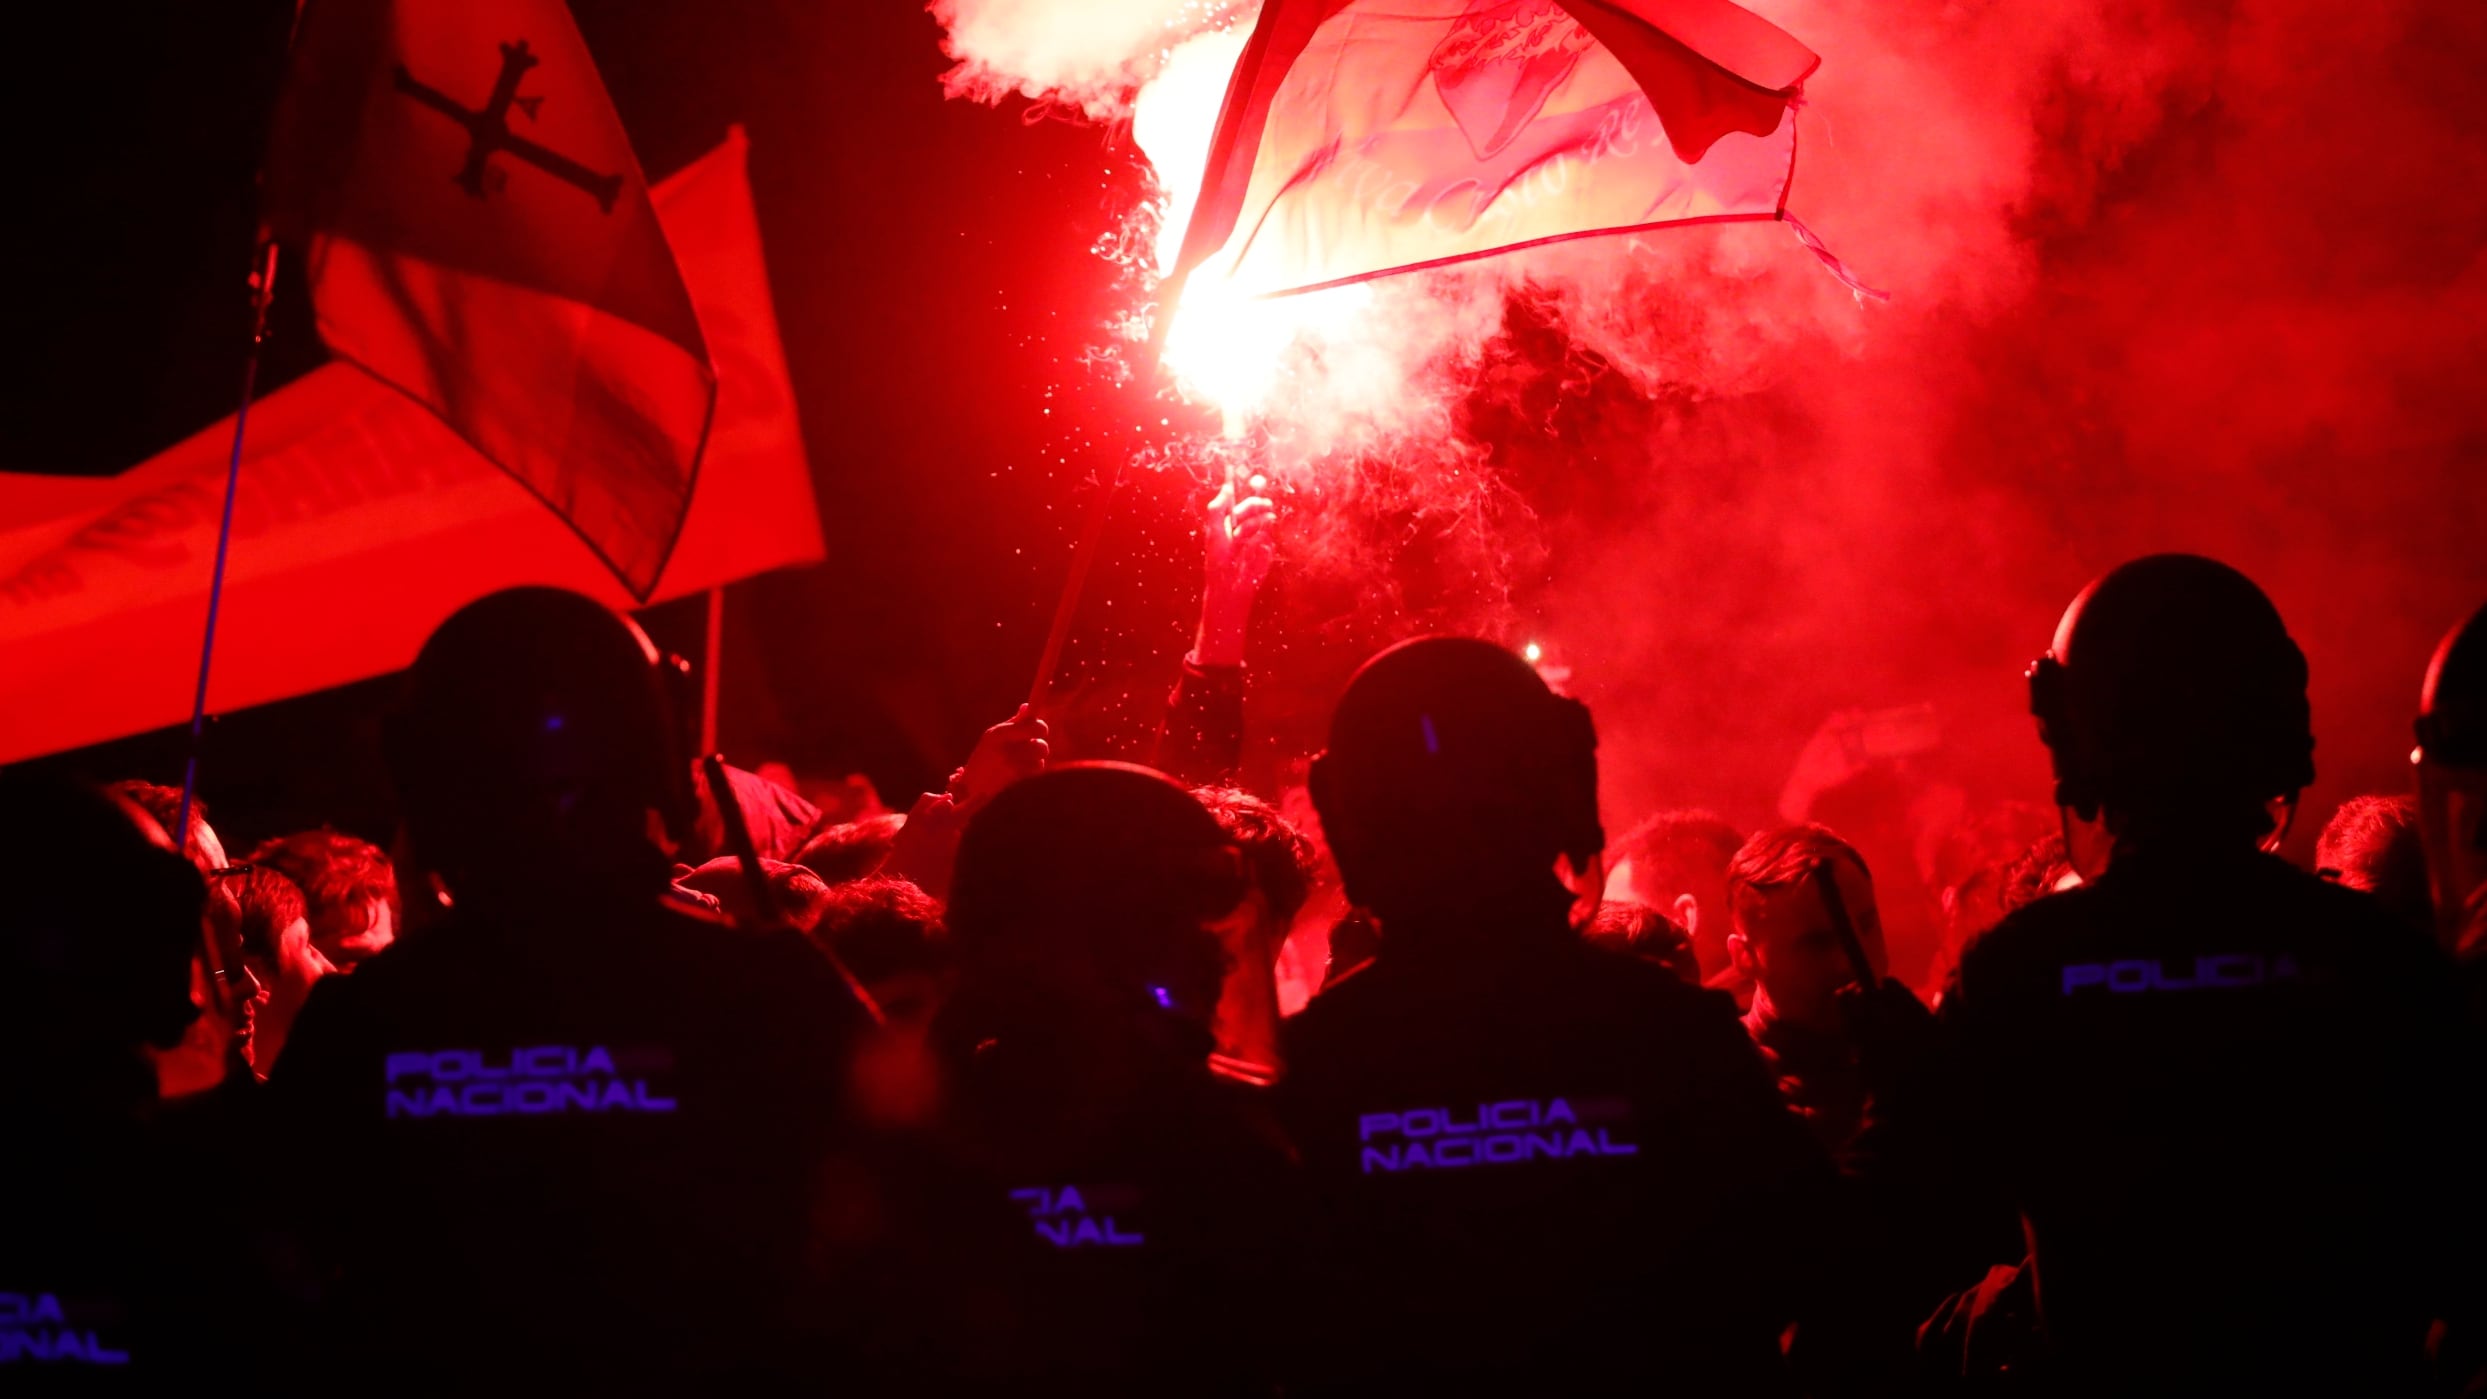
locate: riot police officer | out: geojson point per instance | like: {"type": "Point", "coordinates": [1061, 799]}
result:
{"type": "Point", "coordinates": [569, 1127]}
{"type": "Point", "coordinates": [1145, 1190]}
{"type": "Point", "coordinates": [1537, 1163]}
{"type": "Point", "coordinates": [2212, 1085]}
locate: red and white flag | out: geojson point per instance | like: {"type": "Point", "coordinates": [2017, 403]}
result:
{"type": "Point", "coordinates": [1362, 137]}
{"type": "Point", "coordinates": [479, 236]}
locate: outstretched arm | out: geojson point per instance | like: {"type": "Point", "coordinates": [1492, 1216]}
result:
{"type": "Point", "coordinates": [1201, 741]}
{"type": "Point", "coordinates": [929, 842]}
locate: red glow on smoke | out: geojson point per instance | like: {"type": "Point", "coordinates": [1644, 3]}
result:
{"type": "Point", "coordinates": [2197, 274]}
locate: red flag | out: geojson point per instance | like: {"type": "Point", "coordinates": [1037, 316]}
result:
{"type": "Point", "coordinates": [1361, 137]}
{"type": "Point", "coordinates": [363, 521]}
{"type": "Point", "coordinates": [480, 237]}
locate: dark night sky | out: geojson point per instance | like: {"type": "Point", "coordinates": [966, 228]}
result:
{"type": "Point", "coordinates": [930, 264]}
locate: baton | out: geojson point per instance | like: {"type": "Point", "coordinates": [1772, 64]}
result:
{"type": "Point", "coordinates": [1826, 882]}
{"type": "Point", "coordinates": [756, 880]}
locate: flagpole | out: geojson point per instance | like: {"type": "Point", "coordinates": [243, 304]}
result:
{"type": "Point", "coordinates": [712, 644]}
{"type": "Point", "coordinates": [262, 291]}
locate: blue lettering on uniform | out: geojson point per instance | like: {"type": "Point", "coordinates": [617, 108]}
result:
{"type": "Point", "coordinates": [2223, 971]}
{"type": "Point", "coordinates": [1063, 1218]}
{"type": "Point", "coordinates": [532, 1080]}
{"type": "Point", "coordinates": [33, 1326]}
{"type": "Point", "coordinates": [1504, 1133]}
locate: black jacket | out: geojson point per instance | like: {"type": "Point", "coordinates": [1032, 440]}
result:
{"type": "Point", "coordinates": [2222, 1095]}
{"type": "Point", "coordinates": [1542, 1164]}
{"type": "Point", "coordinates": [585, 1144]}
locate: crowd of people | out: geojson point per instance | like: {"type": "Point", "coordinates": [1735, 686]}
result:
{"type": "Point", "coordinates": [634, 1072]}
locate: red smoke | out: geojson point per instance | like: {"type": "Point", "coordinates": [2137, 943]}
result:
{"type": "Point", "coordinates": [2199, 276]}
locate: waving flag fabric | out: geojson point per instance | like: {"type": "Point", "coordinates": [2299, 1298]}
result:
{"type": "Point", "coordinates": [479, 237]}
{"type": "Point", "coordinates": [1361, 137]}
{"type": "Point", "coordinates": [363, 522]}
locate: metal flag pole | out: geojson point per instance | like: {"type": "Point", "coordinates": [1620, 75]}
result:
{"type": "Point", "coordinates": [262, 291]}
{"type": "Point", "coordinates": [712, 646]}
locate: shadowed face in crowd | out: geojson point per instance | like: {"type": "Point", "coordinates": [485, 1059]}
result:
{"type": "Point", "coordinates": [1786, 942]}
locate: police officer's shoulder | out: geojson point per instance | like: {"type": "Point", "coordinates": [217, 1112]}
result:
{"type": "Point", "coordinates": [2031, 936]}
{"type": "Point", "coordinates": [1624, 979]}
{"type": "Point", "coordinates": [2368, 932]}
{"type": "Point", "coordinates": [1337, 1005]}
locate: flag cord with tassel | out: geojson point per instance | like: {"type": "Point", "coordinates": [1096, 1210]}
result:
{"type": "Point", "coordinates": [262, 291]}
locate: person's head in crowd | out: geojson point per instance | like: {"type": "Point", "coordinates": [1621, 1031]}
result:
{"type": "Point", "coordinates": [2373, 844]}
{"type": "Point", "coordinates": [2043, 869]}
{"type": "Point", "coordinates": [851, 850]}
{"type": "Point", "coordinates": [2173, 704]}
{"type": "Point", "coordinates": [216, 1045]}
{"type": "Point", "coordinates": [1676, 862]}
{"type": "Point", "coordinates": [891, 935]}
{"type": "Point", "coordinates": [797, 894]}
{"type": "Point", "coordinates": [348, 887]}
{"type": "Point", "coordinates": [1642, 931]}
{"type": "Point", "coordinates": [1785, 939]}
{"type": "Point", "coordinates": [1086, 895]}
{"type": "Point", "coordinates": [1278, 859]}
{"type": "Point", "coordinates": [98, 938]}
{"type": "Point", "coordinates": [163, 805]}
{"type": "Point", "coordinates": [1453, 784]}
{"type": "Point", "coordinates": [777, 817]}
{"type": "Point", "coordinates": [538, 755]}
{"type": "Point", "coordinates": [271, 927]}
{"type": "Point", "coordinates": [2451, 759]}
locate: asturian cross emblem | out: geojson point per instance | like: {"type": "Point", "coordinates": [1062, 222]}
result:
{"type": "Point", "coordinates": [489, 134]}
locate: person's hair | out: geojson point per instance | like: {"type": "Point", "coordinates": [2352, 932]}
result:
{"type": "Point", "coordinates": [2034, 873]}
{"type": "Point", "coordinates": [1673, 850]}
{"type": "Point", "coordinates": [264, 904]}
{"type": "Point", "coordinates": [1279, 857]}
{"type": "Point", "coordinates": [1648, 934]}
{"type": "Point", "coordinates": [882, 927]}
{"type": "Point", "coordinates": [339, 875]}
{"type": "Point", "coordinates": [1786, 857]}
{"type": "Point", "coordinates": [164, 805]}
{"type": "Point", "coordinates": [2372, 843]}
{"type": "Point", "coordinates": [850, 850]}
{"type": "Point", "coordinates": [796, 894]}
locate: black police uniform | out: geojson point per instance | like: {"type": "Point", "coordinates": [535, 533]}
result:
{"type": "Point", "coordinates": [588, 1146]}
{"type": "Point", "coordinates": [1550, 1166]}
{"type": "Point", "coordinates": [1142, 1198]}
{"type": "Point", "coordinates": [2216, 1089]}
{"type": "Point", "coordinates": [127, 1260]}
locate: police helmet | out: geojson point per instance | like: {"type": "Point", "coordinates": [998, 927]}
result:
{"type": "Point", "coordinates": [538, 715]}
{"type": "Point", "coordinates": [2172, 684]}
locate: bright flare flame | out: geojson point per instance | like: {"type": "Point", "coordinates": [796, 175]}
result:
{"type": "Point", "coordinates": [1227, 349]}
